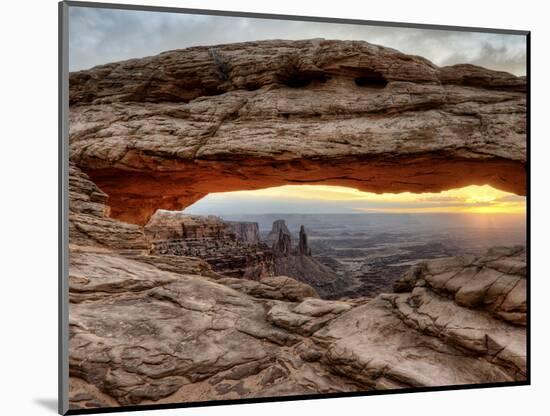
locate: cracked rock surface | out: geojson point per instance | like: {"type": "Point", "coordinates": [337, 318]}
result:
{"type": "Point", "coordinates": [164, 329]}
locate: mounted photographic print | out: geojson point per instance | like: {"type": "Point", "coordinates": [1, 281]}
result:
{"type": "Point", "coordinates": [260, 208]}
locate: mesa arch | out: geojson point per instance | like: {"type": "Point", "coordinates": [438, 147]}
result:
{"type": "Point", "coordinates": [164, 131]}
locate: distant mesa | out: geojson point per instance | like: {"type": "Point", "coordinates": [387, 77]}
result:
{"type": "Point", "coordinates": [282, 245]}
{"type": "Point", "coordinates": [230, 247]}
{"type": "Point", "coordinates": [298, 263]}
{"type": "Point", "coordinates": [248, 232]}
{"type": "Point", "coordinates": [277, 227]}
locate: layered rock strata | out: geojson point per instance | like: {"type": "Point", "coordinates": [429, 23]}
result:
{"type": "Point", "coordinates": [249, 232]}
{"type": "Point", "coordinates": [232, 248]}
{"type": "Point", "coordinates": [277, 228]}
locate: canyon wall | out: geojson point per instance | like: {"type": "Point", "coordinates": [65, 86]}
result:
{"type": "Point", "coordinates": [232, 249]}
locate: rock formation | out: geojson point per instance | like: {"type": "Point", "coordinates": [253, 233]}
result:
{"type": "Point", "coordinates": [308, 270]}
{"type": "Point", "coordinates": [473, 305]}
{"type": "Point", "coordinates": [303, 248]}
{"type": "Point", "coordinates": [248, 232]}
{"type": "Point", "coordinates": [495, 283]}
{"type": "Point", "coordinates": [233, 249]}
{"type": "Point", "coordinates": [162, 329]}
{"type": "Point", "coordinates": [210, 238]}
{"type": "Point", "coordinates": [277, 227]}
{"type": "Point", "coordinates": [298, 263]}
{"type": "Point", "coordinates": [282, 246]}
{"type": "Point", "coordinates": [163, 131]}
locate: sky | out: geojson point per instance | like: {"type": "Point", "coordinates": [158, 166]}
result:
{"type": "Point", "coordinates": [99, 36]}
{"type": "Point", "coordinates": [320, 199]}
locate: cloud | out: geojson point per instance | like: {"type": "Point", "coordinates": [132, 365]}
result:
{"type": "Point", "coordinates": [99, 36]}
{"type": "Point", "coordinates": [437, 198]}
{"type": "Point", "coordinates": [509, 57]}
{"type": "Point", "coordinates": [511, 198]}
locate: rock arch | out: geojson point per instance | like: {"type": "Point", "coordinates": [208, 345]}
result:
{"type": "Point", "coordinates": [163, 131]}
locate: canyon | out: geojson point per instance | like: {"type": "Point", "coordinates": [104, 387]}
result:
{"type": "Point", "coordinates": [168, 307]}
{"type": "Point", "coordinates": [236, 249]}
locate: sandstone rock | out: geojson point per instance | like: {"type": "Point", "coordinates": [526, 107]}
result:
{"type": "Point", "coordinates": [282, 246]}
{"type": "Point", "coordinates": [176, 264]}
{"type": "Point", "coordinates": [174, 234]}
{"type": "Point", "coordinates": [163, 131]}
{"type": "Point", "coordinates": [303, 248]}
{"type": "Point", "coordinates": [298, 263]}
{"type": "Point", "coordinates": [475, 76]}
{"type": "Point", "coordinates": [211, 239]}
{"type": "Point", "coordinates": [374, 346]}
{"type": "Point", "coordinates": [464, 328]}
{"type": "Point", "coordinates": [144, 334]}
{"type": "Point", "coordinates": [308, 270]}
{"type": "Point", "coordinates": [88, 222]}
{"type": "Point", "coordinates": [248, 232]}
{"type": "Point", "coordinates": [307, 317]}
{"type": "Point", "coordinates": [168, 225]}
{"type": "Point", "coordinates": [495, 282]}
{"type": "Point", "coordinates": [277, 227]}
{"type": "Point", "coordinates": [151, 322]}
{"type": "Point", "coordinates": [272, 287]}
{"type": "Point", "coordinates": [165, 329]}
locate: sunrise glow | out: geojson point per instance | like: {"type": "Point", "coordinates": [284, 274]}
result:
{"type": "Point", "coordinates": [471, 199]}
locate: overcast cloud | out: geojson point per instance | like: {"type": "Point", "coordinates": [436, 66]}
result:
{"type": "Point", "coordinates": [99, 36]}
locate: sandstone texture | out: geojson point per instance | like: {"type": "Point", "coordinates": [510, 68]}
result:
{"type": "Point", "coordinates": [163, 131]}
{"type": "Point", "coordinates": [277, 228]}
{"type": "Point", "coordinates": [230, 248]}
{"type": "Point", "coordinates": [496, 282]}
{"type": "Point", "coordinates": [148, 328]}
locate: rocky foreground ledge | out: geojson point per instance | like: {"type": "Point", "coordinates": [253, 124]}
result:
{"type": "Point", "coordinates": [164, 329]}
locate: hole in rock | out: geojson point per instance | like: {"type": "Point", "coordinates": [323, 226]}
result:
{"type": "Point", "coordinates": [339, 240]}
{"type": "Point", "coordinates": [252, 86]}
{"type": "Point", "coordinates": [300, 79]}
{"type": "Point", "coordinates": [372, 79]}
